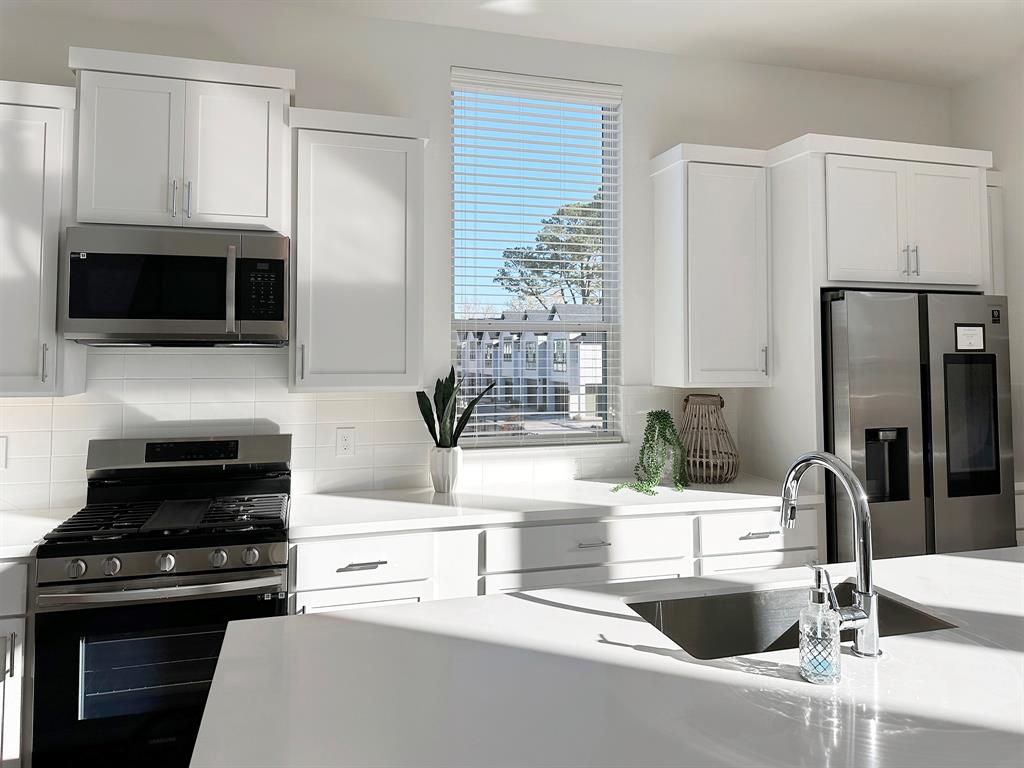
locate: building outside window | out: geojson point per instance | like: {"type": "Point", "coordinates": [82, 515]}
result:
{"type": "Point", "coordinates": [536, 252]}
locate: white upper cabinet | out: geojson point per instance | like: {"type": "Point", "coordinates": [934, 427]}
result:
{"type": "Point", "coordinates": [897, 221]}
{"type": "Point", "coordinates": [727, 260]}
{"type": "Point", "coordinates": [30, 207]}
{"type": "Point", "coordinates": [866, 211]}
{"type": "Point", "coordinates": [358, 261]}
{"type": "Point", "coordinates": [173, 152]}
{"type": "Point", "coordinates": [233, 146]}
{"type": "Point", "coordinates": [130, 147]}
{"type": "Point", "coordinates": [945, 221]}
{"type": "Point", "coordinates": [711, 288]}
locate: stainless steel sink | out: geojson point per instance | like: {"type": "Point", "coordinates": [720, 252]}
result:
{"type": "Point", "coordinates": [741, 623]}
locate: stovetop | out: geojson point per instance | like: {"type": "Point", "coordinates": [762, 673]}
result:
{"type": "Point", "coordinates": [146, 525]}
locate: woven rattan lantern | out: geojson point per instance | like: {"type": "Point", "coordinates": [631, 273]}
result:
{"type": "Point", "coordinates": [711, 454]}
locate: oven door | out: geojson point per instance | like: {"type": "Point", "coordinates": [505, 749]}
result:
{"type": "Point", "coordinates": [122, 284]}
{"type": "Point", "coordinates": [124, 672]}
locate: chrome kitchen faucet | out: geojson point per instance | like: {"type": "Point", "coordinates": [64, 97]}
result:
{"type": "Point", "coordinates": [862, 616]}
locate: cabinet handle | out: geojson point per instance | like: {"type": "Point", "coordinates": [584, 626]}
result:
{"type": "Point", "coordinates": [302, 361]}
{"type": "Point", "coordinates": [362, 566]}
{"type": "Point", "coordinates": [42, 373]}
{"type": "Point", "coordinates": [174, 198]}
{"type": "Point", "coordinates": [906, 253]}
{"type": "Point", "coordinates": [593, 545]}
{"type": "Point", "coordinates": [188, 199]}
{"type": "Point", "coordinates": [764, 353]}
{"type": "Point", "coordinates": [751, 535]}
{"type": "Point", "coordinates": [917, 261]}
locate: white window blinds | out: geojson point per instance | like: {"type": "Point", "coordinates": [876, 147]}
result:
{"type": "Point", "coordinates": [536, 210]}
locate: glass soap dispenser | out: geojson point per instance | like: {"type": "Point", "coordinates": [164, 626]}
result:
{"type": "Point", "coordinates": [819, 632]}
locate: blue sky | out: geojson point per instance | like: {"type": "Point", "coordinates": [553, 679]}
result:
{"type": "Point", "coordinates": [506, 188]}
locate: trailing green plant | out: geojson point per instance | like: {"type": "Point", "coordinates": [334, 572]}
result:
{"type": "Point", "coordinates": [660, 442]}
{"type": "Point", "coordinates": [443, 427]}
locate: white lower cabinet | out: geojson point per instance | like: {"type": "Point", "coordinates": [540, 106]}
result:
{"type": "Point", "coordinates": [581, 577]}
{"type": "Point", "coordinates": [756, 561]}
{"type": "Point", "coordinates": [347, 598]}
{"type": "Point", "coordinates": [12, 681]}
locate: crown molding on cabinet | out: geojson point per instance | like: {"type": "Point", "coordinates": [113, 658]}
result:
{"type": "Point", "coordinates": [37, 95]}
{"type": "Point", "coordinates": [99, 60]}
{"type": "Point", "coordinates": [707, 153]}
{"type": "Point", "coordinates": [354, 122]}
{"type": "Point", "coordinates": [818, 143]}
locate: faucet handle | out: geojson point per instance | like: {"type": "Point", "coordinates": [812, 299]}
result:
{"type": "Point", "coordinates": [819, 573]}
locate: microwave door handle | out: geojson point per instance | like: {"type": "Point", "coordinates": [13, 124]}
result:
{"type": "Point", "coordinates": [229, 291]}
{"type": "Point", "coordinates": [267, 583]}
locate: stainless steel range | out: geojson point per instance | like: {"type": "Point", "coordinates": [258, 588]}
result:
{"type": "Point", "coordinates": [133, 594]}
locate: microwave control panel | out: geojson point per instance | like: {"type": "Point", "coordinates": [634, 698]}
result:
{"type": "Point", "coordinates": [259, 291]}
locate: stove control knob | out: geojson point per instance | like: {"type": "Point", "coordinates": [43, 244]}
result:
{"type": "Point", "coordinates": [165, 563]}
{"type": "Point", "coordinates": [250, 556]}
{"type": "Point", "coordinates": [218, 558]}
{"type": "Point", "coordinates": [112, 566]}
{"type": "Point", "coordinates": [75, 569]}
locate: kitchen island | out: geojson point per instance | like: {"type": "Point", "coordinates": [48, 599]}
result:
{"type": "Point", "coordinates": [574, 677]}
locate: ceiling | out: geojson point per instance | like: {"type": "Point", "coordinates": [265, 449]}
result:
{"type": "Point", "coordinates": [934, 42]}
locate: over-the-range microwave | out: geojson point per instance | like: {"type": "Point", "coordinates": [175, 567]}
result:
{"type": "Point", "coordinates": [140, 286]}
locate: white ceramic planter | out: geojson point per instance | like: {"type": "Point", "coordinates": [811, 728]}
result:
{"type": "Point", "coordinates": [445, 464]}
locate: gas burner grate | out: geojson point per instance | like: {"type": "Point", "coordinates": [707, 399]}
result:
{"type": "Point", "coordinates": [110, 521]}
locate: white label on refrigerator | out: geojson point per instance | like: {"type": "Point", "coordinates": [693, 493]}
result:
{"type": "Point", "coordinates": [970, 338]}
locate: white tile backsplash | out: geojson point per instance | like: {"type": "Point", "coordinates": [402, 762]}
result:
{"type": "Point", "coordinates": [182, 393]}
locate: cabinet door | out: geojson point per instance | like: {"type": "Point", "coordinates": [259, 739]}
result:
{"type": "Point", "coordinates": [233, 156]}
{"type": "Point", "coordinates": [727, 275]}
{"type": "Point", "coordinates": [12, 667]}
{"type": "Point", "coordinates": [30, 140]}
{"type": "Point", "coordinates": [866, 219]}
{"type": "Point", "coordinates": [130, 143]}
{"type": "Point", "coordinates": [358, 261]}
{"type": "Point", "coordinates": [945, 214]}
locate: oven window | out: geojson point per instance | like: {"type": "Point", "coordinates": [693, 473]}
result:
{"type": "Point", "coordinates": [972, 432]}
{"type": "Point", "coordinates": [133, 287]}
{"type": "Point", "coordinates": [138, 674]}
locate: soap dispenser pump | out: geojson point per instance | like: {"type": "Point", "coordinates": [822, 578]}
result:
{"type": "Point", "coordinates": [819, 632]}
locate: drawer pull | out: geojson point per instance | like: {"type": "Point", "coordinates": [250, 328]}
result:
{"type": "Point", "coordinates": [759, 535]}
{"type": "Point", "coordinates": [362, 566]}
{"type": "Point", "coordinates": [593, 545]}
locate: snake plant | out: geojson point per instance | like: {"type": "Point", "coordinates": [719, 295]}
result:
{"type": "Point", "coordinates": [443, 427]}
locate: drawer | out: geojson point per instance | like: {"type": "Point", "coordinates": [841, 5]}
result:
{"type": "Point", "coordinates": [371, 560]}
{"type": "Point", "coordinates": [558, 546]}
{"type": "Point", "coordinates": [758, 561]}
{"type": "Point", "coordinates": [598, 574]}
{"type": "Point", "coordinates": [349, 598]}
{"type": "Point", "coordinates": [13, 588]}
{"type": "Point", "coordinates": [756, 532]}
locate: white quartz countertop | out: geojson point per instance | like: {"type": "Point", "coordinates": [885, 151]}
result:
{"type": "Point", "coordinates": [21, 530]}
{"type": "Point", "coordinates": [327, 515]}
{"type": "Point", "coordinates": [572, 677]}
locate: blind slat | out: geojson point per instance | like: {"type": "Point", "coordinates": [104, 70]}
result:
{"type": "Point", "coordinates": [523, 151]}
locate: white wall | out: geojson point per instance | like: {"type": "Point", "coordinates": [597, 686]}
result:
{"type": "Point", "coordinates": [397, 68]}
{"type": "Point", "coordinates": [988, 113]}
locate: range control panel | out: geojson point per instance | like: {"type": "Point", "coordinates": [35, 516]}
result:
{"type": "Point", "coordinates": [259, 289]}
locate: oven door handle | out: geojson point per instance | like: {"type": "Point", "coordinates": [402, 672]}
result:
{"type": "Point", "coordinates": [142, 595]}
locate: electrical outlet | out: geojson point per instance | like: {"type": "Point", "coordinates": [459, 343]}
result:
{"type": "Point", "coordinates": [345, 441]}
{"type": "Point", "coordinates": [3, 451]}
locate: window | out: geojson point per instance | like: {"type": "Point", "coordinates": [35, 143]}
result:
{"type": "Point", "coordinates": [536, 251]}
{"type": "Point", "coordinates": [558, 363]}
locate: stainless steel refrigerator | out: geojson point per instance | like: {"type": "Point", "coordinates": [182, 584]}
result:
{"type": "Point", "coordinates": [917, 401]}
